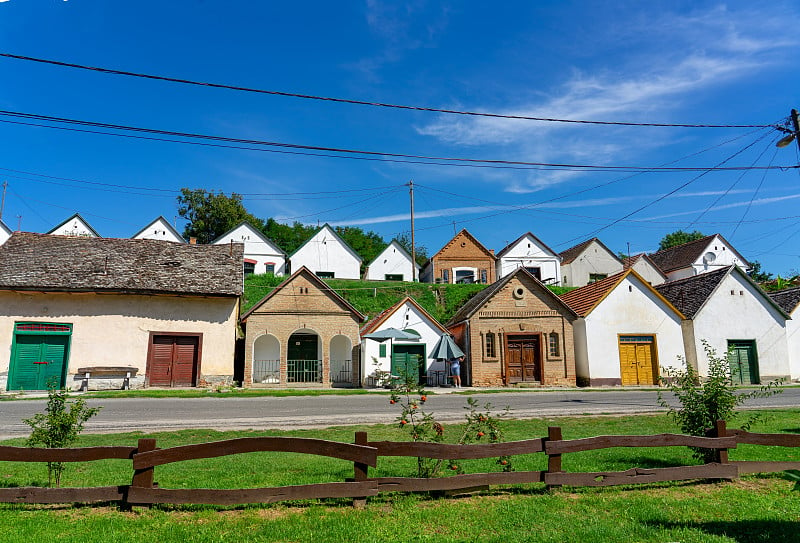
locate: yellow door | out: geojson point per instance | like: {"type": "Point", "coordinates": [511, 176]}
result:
{"type": "Point", "coordinates": [637, 360]}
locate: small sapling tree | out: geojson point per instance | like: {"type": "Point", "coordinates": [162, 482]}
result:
{"type": "Point", "coordinates": [58, 426]}
{"type": "Point", "coordinates": [703, 401]}
{"type": "Point", "coordinates": [483, 426]}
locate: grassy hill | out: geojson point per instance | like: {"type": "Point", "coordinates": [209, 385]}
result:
{"type": "Point", "coordinates": [372, 297]}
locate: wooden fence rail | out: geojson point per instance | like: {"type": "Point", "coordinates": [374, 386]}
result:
{"type": "Point", "coordinates": [364, 454]}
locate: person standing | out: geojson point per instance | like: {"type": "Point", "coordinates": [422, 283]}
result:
{"type": "Point", "coordinates": [455, 370]}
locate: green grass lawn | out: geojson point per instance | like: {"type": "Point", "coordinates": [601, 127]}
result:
{"type": "Point", "coordinates": [754, 508]}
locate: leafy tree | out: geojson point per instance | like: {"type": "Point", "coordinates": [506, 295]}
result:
{"type": "Point", "coordinates": [421, 253]}
{"type": "Point", "coordinates": [705, 401]}
{"type": "Point", "coordinates": [211, 214]}
{"type": "Point", "coordinates": [757, 275]}
{"type": "Point", "coordinates": [679, 237]}
{"type": "Point", "coordinates": [368, 245]}
{"type": "Point", "coordinates": [58, 426]}
{"type": "Point", "coordinates": [288, 237]}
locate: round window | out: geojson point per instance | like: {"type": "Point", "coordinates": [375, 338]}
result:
{"type": "Point", "coordinates": [519, 293]}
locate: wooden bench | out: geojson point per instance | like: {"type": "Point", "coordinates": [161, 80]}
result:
{"type": "Point", "coordinates": [107, 372]}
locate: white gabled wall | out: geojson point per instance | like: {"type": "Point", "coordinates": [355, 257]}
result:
{"type": "Point", "coordinates": [527, 253]}
{"type": "Point", "coordinates": [324, 252]}
{"type": "Point", "coordinates": [593, 259]}
{"type": "Point", "coordinates": [73, 227]}
{"type": "Point", "coordinates": [406, 316]}
{"type": "Point", "coordinates": [256, 247]}
{"type": "Point", "coordinates": [392, 261]}
{"type": "Point", "coordinates": [793, 339]}
{"type": "Point", "coordinates": [648, 272]}
{"type": "Point", "coordinates": [159, 229]}
{"type": "Point", "coordinates": [743, 315]}
{"type": "Point", "coordinates": [5, 233]}
{"type": "Point", "coordinates": [630, 309]}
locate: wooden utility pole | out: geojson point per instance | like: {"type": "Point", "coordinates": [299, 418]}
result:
{"type": "Point", "coordinates": [413, 241]}
{"type": "Point", "coordinates": [3, 201]}
{"type": "Point", "coordinates": [796, 126]}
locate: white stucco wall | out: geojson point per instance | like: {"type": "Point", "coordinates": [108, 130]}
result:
{"type": "Point", "coordinates": [527, 253]}
{"type": "Point", "coordinates": [114, 330]}
{"type": "Point", "coordinates": [325, 253]}
{"type": "Point", "coordinates": [743, 315]}
{"type": "Point", "coordinates": [5, 233]}
{"type": "Point", "coordinates": [392, 260]}
{"type": "Point", "coordinates": [159, 230]}
{"type": "Point", "coordinates": [646, 270]}
{"type": "Point", "coordinates": [723, 256]}
{"type": "Point", "coordinates": [594, 259]}
{"type": "Point", "coordinates": [256, 247]}
{"type": "Point", "coordinates": [630, 309]}
{"type": "Point", "coordinates": [793, 338]}
{"type": "Point", "coordinates": [74, 227]}
{"type": "Point", "coordinates": [406, 316]}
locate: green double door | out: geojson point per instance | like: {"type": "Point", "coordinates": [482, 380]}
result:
{"type": "Point", "coordinates": [37, 358]}
{"type": "Point", "coordinates": [744, 362]}
{"type": "Point", "coordinates": [409, 360]}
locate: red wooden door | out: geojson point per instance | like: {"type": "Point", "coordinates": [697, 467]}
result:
{"type": "Point", "coordinates": [173, 361]}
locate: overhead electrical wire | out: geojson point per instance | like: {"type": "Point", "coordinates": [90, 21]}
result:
{"type": "Point", "coordinates": [365, 102]}
{"type": "Point", "coordinates": [284, 145]}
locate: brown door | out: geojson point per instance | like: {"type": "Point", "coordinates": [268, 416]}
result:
{"type": "Point", "coordinates": [523, 358]}
{"type": "Point", "coordinates": [173, 361]}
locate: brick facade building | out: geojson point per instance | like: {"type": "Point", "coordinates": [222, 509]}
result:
{"type": "Point", "coordinates": [302, 333]}
{"type": "Point", "coordinates": [462, 259]}
{"type": "Point", "coordinates": [516, 331]}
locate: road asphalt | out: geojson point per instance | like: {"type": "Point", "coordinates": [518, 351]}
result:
{"type": "Point", "coordinates": [226, 413]}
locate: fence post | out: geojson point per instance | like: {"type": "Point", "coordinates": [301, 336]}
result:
{"type": "Point", "coordinates": [143, 478]}
{"type": "Point", "coordinates": [553, 460]}
{"type": "Point", "coordinates": [721, 430]}
{"type": "Point", "coordinates": [360, 471]}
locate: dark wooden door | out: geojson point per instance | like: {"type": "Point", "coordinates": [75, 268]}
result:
{"type": "Point", "coordinates": [173, 361]}
{"type": "Point", "coordinates": [523, 358]}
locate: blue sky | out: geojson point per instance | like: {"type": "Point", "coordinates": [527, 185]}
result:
{"type": "Point", "coordinates": [663, 62]}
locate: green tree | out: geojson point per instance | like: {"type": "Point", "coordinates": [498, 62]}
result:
{"type": "Point", "coordinates": [368, 245]}
{"type": "Point", "coordinates": [421, 253]}
{"type": "Point", "coordinates": [58, 426]}
{"type": "Point", "coordinates": [288, 237]}
{"type": "Point", "coordinates": [211, 214]}
{"type": "Point", "coordinates": [757, 275]}
{"type": "Point", "coordinates": [679, 237]}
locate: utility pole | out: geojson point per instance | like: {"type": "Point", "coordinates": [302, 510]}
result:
{"type": "Point", "coordinates": [3, 201]}
{"type": "Point", "coordinates": [413, 243]}
{"type": "Point", "coordinates": [796, 126]}
{"type": "Point", "coordinates": [19, 223]}
{"type": "Point", "coordinates": [791, 135]}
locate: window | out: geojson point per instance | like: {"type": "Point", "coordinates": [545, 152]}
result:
{"type": "Point", "coordinates": [490, 345]}
{"type": "Point", "coordinates": [597, 276]}
{"type": "Point", "coordinates": [536, 272]}
{"type": "Point", "coordinates": [270, 267]}
{"type": "Point", "coordinates": [483, 276]}
{"type": "Point", "coordinates": [553, 345]}
{"type": "Point", "coordinates": [382, 350]}
{"type": "Point", "coordinates": [465, 276]}
{"type": "Point", "coordinates": [393, 277]}
{"type": "Point", "coordinates": [249, 268]}
{"type": "Point", "coordinates": [446, 276]}
{"type": "Point", "coordinates": [325, 275]}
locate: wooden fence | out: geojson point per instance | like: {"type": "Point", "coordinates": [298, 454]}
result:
{"type": "Point", "coordinates": [364, 454]}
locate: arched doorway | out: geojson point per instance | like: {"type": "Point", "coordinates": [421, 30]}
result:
{"type": "Point", "coordinates": [341, 362]}
{"type": "Point", "coordinates": [267, 360]}
{"type": "Point", "coordinates": [304, 357]}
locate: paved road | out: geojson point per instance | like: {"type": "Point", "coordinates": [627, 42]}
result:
{"type": "Point", "coordinates": [221, 413]}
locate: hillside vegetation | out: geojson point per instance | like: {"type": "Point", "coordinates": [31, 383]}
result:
{"type": "Point", "coordinates": [371, 297]}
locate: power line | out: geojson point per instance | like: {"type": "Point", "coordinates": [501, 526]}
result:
{"type": "Point", "coordinates": [367, 103]}
{"type": "Point", "coordinates": [284, 145]}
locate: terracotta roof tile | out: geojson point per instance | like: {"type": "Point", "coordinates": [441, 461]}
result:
{"type": "Point", "coordinates": [583, 299]}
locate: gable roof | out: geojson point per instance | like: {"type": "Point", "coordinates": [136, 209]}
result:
{"type": "Point", "coordinates": [568, 256]}
{"type": "Point", "coordinates": [691, 294]}
{"type": "Point", "coordinates": [686, 254]}
{"type": "Point", "coordinates": [631, 261]}
{"type": "Point", "coordinates": [75, 216]}
{"type": "Point", "coordinates": [788, 299]}
{"type": "Point", "coordinates": [381, 317]}
{"type": "Point", "coordinates": [476, 302]}
{"type": "Point", "coordinates": [335, 235]}
{"type": "Point", "coordinates": [43, 262]}
{"type": "Point", "coordinates": [166, 223]}
{"type": "Point", "coordinates": [402, 249]}
{"type": "Point", "coordinates": [254, 230]}
{"type": "Point", "coordinates": [4, 227]}
{"type": "Point", "coordinates": [464, 231]}
{"type": "Point", "coordinates": [585, 299]}
{"type": "Point", "coordinates": [319, 283]}
{"type": "Point", "coordinates": [511, 245]}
